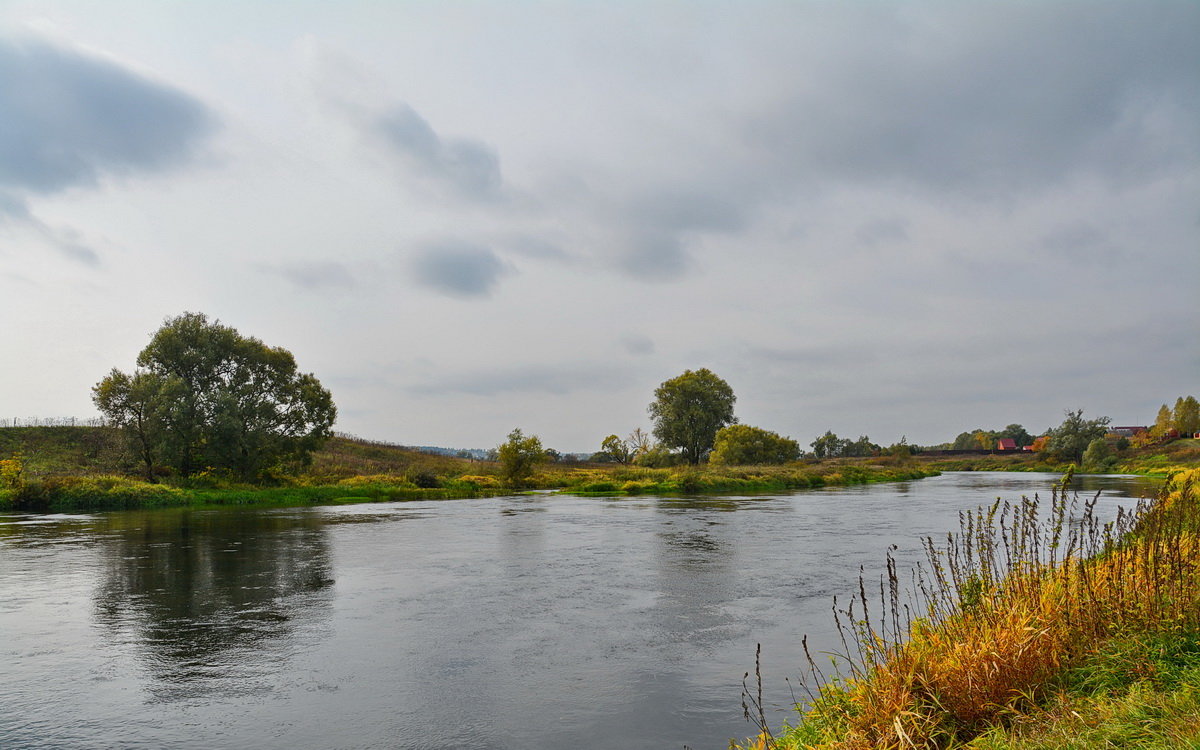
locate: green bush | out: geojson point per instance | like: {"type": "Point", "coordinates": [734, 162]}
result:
{"type": "Point", "coordinates": [103, 491]}
{"type": "Point", "coordinates": [597, 487]}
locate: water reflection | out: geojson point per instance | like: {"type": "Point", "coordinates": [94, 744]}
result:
{"type": "Point", "coordinates": [193, 592]}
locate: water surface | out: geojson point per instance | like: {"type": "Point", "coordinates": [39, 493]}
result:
{"type": "Point", "coordinates": [515, 622]}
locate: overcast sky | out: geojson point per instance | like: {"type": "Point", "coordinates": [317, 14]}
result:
{"type": "Point", "coordinates": [877, 218]}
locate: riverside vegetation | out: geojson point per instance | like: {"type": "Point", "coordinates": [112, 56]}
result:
{"type": "Point", "coordinates": [68, 468]}
{"type": "Point", "coordinates": [1034, 626]}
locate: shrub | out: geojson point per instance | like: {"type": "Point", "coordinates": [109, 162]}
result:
{"type": "Point", "coordinates": [103, 491]}
{"type": "Point", "coordinates": [11, 473]}
{"type": "Point", "coordinates": [423, 478]}
{"type": "Point", "coordinates": [471, 483]}
{"type": "Point", "coordinates": [598, 487]}
{"type": "Point", "coordinates": [658, 458]}
{"type": "Point", "coordinates": [743, 445]}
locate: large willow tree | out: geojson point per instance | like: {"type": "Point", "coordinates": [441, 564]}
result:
{"type": "Point", "coordinates": [689, 409]}
{"type": "Point", "coordinates": [204, 395]}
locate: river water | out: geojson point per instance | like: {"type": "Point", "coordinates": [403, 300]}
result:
{"type": "Point", "coordinates": [524, 622]}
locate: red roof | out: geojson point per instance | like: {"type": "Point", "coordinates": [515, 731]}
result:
{"type": "Point", "coordinates": [1006, 444]}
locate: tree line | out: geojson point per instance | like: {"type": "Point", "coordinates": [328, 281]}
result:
{"type": "Point", "coordinates": [204, 397]}
{"type": "Point", "coordinates": [694, 422]}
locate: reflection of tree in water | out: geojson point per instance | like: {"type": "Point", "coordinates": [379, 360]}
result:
{"type": "Point", "coordinates": [696, 575]}
{"type": "Point", "coordinates": [211, 598]}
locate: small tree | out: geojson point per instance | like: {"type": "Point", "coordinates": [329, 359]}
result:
{"type": "Point", "coordinates": [138, 405]}
{"type": "Point", "coordinates": [861, 447]}
{"type": "Point", "coordinates": [901, 450]}
{"type": "Point", "coordinates": [519, 456]}
{"type": "Point", "coordinates": [688, 410]}
{"type": "Point", "coordinates": [1163, 423]}
{"type": "Point", "coordinates": [1098, 457]}
{"type": "Point", "coordinates": [639, 442]}
{"type": "Point", "coordinates": [743, 445]}
{"type": "Point", "coordinates": [1018, 434]}
{"type": "Point", "coordinates": [616, 449]}
{"type": "Point", "coordinates": [1186, 416]}
{"type": "Point", "coordinates": [1069, 440]}
{"type": "Point", "coordinates": [828, 445]}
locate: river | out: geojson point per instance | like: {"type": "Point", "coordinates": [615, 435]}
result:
{"type": "Point", "coordinates": [532, 622]}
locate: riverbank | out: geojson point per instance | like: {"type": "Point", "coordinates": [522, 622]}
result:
{"type": "Point", "coordinates": [88, 468]}
{"type": "Point", "coordinates": [1035, 631]}
{"type": "Point", "coordinates": [85, 468]}
{"type": "Point", "coordinates": [1154, 460]}
{"type": "Point", "coordinates": [107, 492]}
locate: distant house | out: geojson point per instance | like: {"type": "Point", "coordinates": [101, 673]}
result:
{"type": "Point", "coordinates": [1006, 444]}
{"type": "Point", "coordinates": [1128, 431]}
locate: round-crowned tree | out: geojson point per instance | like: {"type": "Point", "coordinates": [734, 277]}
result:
{"type": "Point", "coordinates": [206, 396]}
{"type": "Point", "coordinates": [519, 456]}
{"type": "Point", "coordinates": [689, 409]}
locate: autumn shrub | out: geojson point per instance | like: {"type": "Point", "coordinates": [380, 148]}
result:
{"type": "Point", "coordinates": [471, 483]}
{"type": "Point", "coordinates": [101, 491]}
{"type": "Point", "coordinates": [376, 480]}
{"type": "Point", "coordinates": [11, 473]}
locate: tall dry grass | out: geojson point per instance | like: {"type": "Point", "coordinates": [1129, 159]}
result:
{"type": "Point", "coordinates": [999, 610]}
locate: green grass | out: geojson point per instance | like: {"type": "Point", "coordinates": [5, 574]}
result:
{"type": "Point", "coordinates": [51, 451]}
{"type": "Point", "coordinates": [1136, 692]}
{"type": "Point", "coordinates": [1160, 459]}
{"type": "Point", "coordinates": [107, 492]}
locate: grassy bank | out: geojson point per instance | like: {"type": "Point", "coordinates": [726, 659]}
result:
{"type": "Point", "coordinates": [1027, 630]}
{"type": "Point", "coordinates": [1160, 459]}
{"type": "Point", "coordinates": [84, 468]}
{"type": "Point", "coordinates": [108, 492]}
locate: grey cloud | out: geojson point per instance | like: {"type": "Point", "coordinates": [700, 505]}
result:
{"type": "Point", "coordinates": [636, 343]}
{"type": "Point", "coordinates": [69, 244]}
{"type": "Point", "coordinates": [458, 269]}
{"type": "Point", "coordinates": [538, 249]}
{"type": "Point", "coordinates": [882, 231]}
{"type": "Point", "coordinates": [69, 118]}
{"type": "Point", "coordinates": [471, 167]}
{"type": "Point", "coordinates": [686, 210]}
{"type": "Point", "coordinates": [656, 257]}
{"type": "Point", "coordinates": [661, 222]}
{"type": "Point", "coordinates": [12, 207]}
{"type": "Point", "coordinates": [991, 98]}
{"type": "Point", "coordinates": [1082, 243]}
{"type": "Point", "coordinates": [65, 240]}
{"type": "Point", "coordinates": [551, 380]}
{"type": "Point", "coordinates": [314, 275]}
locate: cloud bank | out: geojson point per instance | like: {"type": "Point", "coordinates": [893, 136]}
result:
{"type": "Point", "coordinates": [70, 118]}
{"type": "Point", "coordinates": [458, 269]}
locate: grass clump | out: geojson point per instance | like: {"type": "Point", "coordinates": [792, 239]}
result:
{"type": "Point", "coordinates": [1139, 691]}
{"type": "Point", "coordinates": [1016, 617]}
